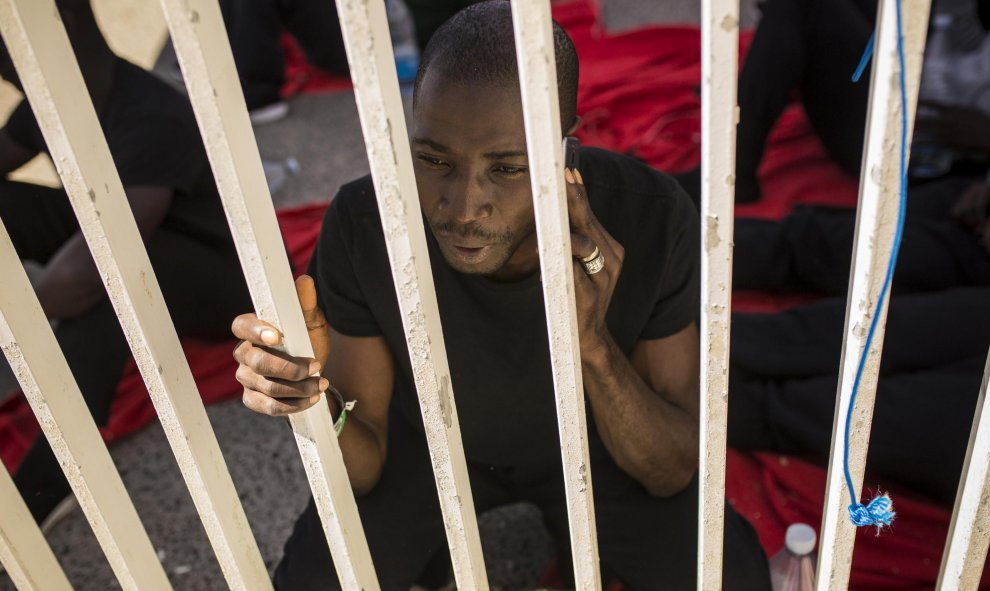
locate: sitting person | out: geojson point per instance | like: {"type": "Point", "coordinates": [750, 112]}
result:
{"type": "Point", "coordinates": [155, 144]}
{"type": "Point", "coordinates": [814, 46]}
{"type": "Point", "coordinates": [638, 338]}
{"type": "Point", "coordinates": [783, 380]}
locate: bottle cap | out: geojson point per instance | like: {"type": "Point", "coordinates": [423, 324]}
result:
{"type": "Point", "coordinates": [800, 539]}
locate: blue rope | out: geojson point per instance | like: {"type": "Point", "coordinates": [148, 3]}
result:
{"type": "Point", "coordinates": [880, 511]}
{"type": "Point", "coordinates": [865, 60]}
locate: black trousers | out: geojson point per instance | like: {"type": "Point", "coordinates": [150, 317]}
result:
{"type": "Point", "coordinates": [811, 249]}
{"type": "Point", "coordinates": [254, 28]}
{"type": "Point", "coordinates": [646, 542]}
{"type": "Point", "coordinates": [203, 288]}
{"type": "Point", "coordinates": [812, 46]}
{"type": "Point", "coordinates": [783, 380]}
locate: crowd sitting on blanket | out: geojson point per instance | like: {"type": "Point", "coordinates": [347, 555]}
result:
{"type": "Point", "coordinates": [638, 335]}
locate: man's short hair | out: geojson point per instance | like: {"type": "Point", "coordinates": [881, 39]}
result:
{"type": "Point", "coordinates": [477, 45]}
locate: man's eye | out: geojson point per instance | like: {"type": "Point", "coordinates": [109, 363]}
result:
{"type": "Point", "coordinates": [511, 170]}
{"type": "Point", "coordinates": [432, 161]}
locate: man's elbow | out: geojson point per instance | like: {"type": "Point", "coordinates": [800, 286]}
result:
{"type": "Point", "coordinates": [670, 482]}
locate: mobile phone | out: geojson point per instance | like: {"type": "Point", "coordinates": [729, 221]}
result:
{"type": "Point", "coordinates": [571, 145]}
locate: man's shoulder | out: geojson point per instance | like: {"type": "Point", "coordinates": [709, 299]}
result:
{"type": "Point", "coordinates": [628, 192]}
{"type": "Point", "coordinates": [355, 200]}
{"type": "Point", "coordinates": [625, 174]}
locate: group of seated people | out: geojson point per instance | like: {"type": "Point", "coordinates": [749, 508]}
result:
{"type": "Point", "coordinates": [635, 242]}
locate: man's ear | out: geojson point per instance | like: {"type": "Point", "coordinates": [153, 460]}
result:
{"type": "Point", "coordinates": [570, 130]}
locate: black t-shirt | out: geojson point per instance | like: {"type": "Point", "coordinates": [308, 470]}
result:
{"type": "Point", "coordinates": [495, 333]}
{"type": "Point", "coordinates": [153, 139]}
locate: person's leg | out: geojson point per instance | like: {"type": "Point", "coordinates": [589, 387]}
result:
{"type": "Point", "coordinates": [921, 423]}
{"type": "Point", "coordinates": [644, 541]}
{"type": "Point", "coordinates": [401, 517]}
{"type": "Point", "coordinates": [254, 28]}
{"type": "Point", "coordinates": [835, 105]}
{"type": "Point", "coordinates": [39, 219]}
{"type": "Point", "coordinates": [923, 331]}
{"type": "Point", "coordinates": [315, 25]}
{"type": "Point", "coordinates": [811, 248]}
{"type": "Point", "coordinates": [811, 45]}
{"type": "Point", "coordinates": [96, 352]}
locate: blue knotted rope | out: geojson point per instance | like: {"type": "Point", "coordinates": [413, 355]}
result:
{"type": "Point", "coordinates": [880, 511]}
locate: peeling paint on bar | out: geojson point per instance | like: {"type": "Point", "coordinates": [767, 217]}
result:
{"type": "Point", "coordinates": [50, 75]}
{"type": "Point", "coordinates": [541, 111]}
{"type": "Point", "coordinates": [34, 355]}
{"type": "Point", "coordinates": [208, 67]}
{"type": "Point", "coordinates": [719, 115]}
{"type": "Point", "coordinates": [969, 532]}
{"type": "Point", "coordinates": [376, 88]}
{"type": "Point", "coordinates": [875, 225]}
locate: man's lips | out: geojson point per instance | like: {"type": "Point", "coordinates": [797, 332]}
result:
{"type": "Point", "coordinates": [469, 252]}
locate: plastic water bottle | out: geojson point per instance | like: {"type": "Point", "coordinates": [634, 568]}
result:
{"type": "Point", "coordinates": [403, 33]}
{"type": "Point", "coordinates": [793, 568]}
{"type": "Point", "coordinates": [928, 159]}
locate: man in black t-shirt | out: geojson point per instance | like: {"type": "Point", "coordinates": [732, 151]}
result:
{"type": "Point", "coordinates": [155, 145]}
{"type": "Point", "coordinates": [637, 333]}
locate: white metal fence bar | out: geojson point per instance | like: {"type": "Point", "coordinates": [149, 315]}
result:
{"type": "Point", "coordinates": [53, 83]}
{"type": "Point", "coordinates": [23, 550]}
{"type": "Point", "coordinates": [969, 533]}
{"type": "Point", "coordinates": [541, 111]}
{"type": "Point", "coordinates": [719, 57]}
{"type": "Point", "coordinates": [369, 52]}
{"type": "Point", "coordinates": [32, 351]}
{"type": "Point", "coordinates": [204, 53]}
{"type": "Point", "coordinates": [875, 226]}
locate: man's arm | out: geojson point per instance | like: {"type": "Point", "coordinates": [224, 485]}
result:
{"type": "Point", "coordinates": [645, 406]}
{"type": "Point", "coordinates": [361, 368]}
{"type": "Point", "coordinates": [70, 283]}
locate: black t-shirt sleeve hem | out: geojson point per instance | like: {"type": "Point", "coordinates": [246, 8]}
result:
{"type": "Point", "coordinates": [332, 268]}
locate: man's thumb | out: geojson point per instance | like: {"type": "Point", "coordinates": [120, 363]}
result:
{"type": "Point", "coordinates": [306, 290]}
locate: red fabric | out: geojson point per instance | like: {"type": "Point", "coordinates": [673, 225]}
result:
{"type": "Point", "coordinates": [303, 78]}
{"type": "Point", "coordinates": [638, 96]}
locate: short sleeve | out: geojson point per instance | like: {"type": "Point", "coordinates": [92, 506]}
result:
{"type": "Point", "coordinates": [22, 127]}
{"type": "Point", "coordinates": [677, 304]}
{"type": "Point", "coordinates": [332, 268]}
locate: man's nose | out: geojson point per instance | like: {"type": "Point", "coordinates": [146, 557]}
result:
{"type": "Point", "coordinates": [466, 199]}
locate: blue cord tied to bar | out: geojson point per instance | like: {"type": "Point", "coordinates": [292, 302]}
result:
{"type": "Point", "coordinates": [880, 511]}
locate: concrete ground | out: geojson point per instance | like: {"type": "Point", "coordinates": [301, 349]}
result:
{"type": "Point", "coordinates": [323, 134]}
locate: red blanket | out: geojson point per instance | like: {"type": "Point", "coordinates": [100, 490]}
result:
{"type": "Point", "coordinates": [637, 96]}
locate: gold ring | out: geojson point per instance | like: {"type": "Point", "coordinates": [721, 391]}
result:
{"type": "Point", "coordinates": [594, 262]}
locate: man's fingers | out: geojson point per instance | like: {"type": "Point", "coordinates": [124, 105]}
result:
{"type": "Point", "coordinates": [578, 208]}
{"type": "Point", "coordinates": [275, 364]}
{"type": "Point", "coordinates": [582, 246]}
{"type": "Point", "coordinates": [249, 327]}
{"type": "Point", "coordinates": [278, 388]}
{"type": "Point", "coordinates": [275, 407]}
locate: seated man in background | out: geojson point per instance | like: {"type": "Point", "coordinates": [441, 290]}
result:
{"type": "Point", "coordinates": [156, 147]}
{"type": "Point", "coordinates": [638, 338]}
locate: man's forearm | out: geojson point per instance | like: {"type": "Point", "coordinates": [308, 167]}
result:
{"type": "Point", "coordinates": [650, 438]}
{"type": "Point", "coordinates": [363, 456]}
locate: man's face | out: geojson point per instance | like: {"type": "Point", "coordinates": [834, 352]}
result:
{"type": "Point", "coordinates": [469, 153]}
